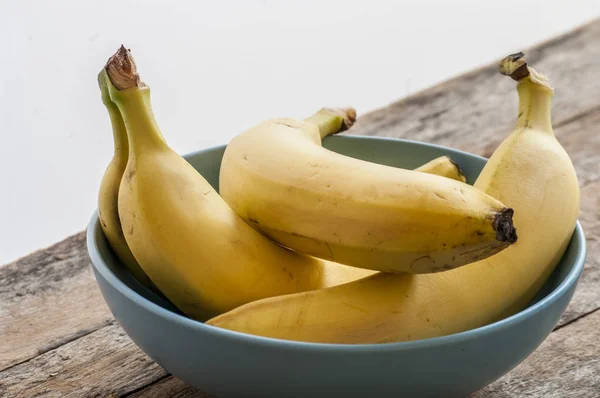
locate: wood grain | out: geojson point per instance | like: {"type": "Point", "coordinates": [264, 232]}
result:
{"type": "Point", "coordinates": [48, 299]}
{"type": "Point", "coordinates": [103, 363]}
{"type": "Point", "coordinates": [580, 136]}
{"type": "Point", "coordinates": [59, 339]}
{"type": "Point", "coordinates": [567, 364]}
{"type": "Point", "coordinates": [587, 295]}
{"type": "Point", "coordinates": [170, 387]}
{"type": "Point", "coordinates": [581, 140]}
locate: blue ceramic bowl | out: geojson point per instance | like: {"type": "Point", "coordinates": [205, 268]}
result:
{"type": "Point", "coordinates": [232, 364]}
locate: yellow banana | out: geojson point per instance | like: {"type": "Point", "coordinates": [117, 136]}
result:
{"type": "Point", "coordinates": [279, 179]}
{"type": "Point", "coordinates": [443, 166]}
{"type": "Point", "coordinates": [193, 246]}
{"type": "Point", "coordinates": [531, 172]}
{"type": "Point", "coordinates": [195, 249]}
{"type": "Point", "coordinates": [108, 213]}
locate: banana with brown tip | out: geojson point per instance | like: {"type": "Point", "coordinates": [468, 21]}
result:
{"type": "Point", "coordinates": [531, 172]}
{"type": "Point", "coordinates": [108, 212]}
{"type": "Point", "coordinates": [280, 179]}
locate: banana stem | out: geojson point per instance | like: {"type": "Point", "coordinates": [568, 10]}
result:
{"type": "Point", "coordinates": [132, 97]}
{"type": "Point", "coordinates": [122, 70]}
{"type": "Point", "coordinates": [332, 121]}
{"type": "Point", "coordinates": [535, 93]}
{"type": "Point", "coordinates": [121, 145]}
{"type": "Point", "coordinates": [535, 103]}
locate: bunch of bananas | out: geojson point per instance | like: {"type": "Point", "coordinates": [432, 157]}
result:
{"type": "Point", "coordinates": [302, 243]}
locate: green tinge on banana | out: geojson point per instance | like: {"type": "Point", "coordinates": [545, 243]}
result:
{"type": "Point", "coordinates": [108, 213]}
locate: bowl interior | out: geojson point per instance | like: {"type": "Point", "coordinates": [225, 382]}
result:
{"type": "Point", "coordinates": [397, 153]}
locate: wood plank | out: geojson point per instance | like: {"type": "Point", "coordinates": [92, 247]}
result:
{"type": "Point", "coordinates": [474, 110]}
{"type": "Point", "coordinates": [103, 363]}
{"type": "Point", "coordinates": [170, 387]}
{"type": "Point", "coordinates": [587, 295]}
{"type": "Point", "coordinates": [581, 139]}
{"type": "Point", "coordinates": [567, 364]}
{"type": "Point", "coordinates": [582, 142]}
{"type": "Point", "coordinates": [47, 299]}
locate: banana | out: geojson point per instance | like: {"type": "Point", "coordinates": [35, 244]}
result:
{"type": "Point", "coordinates": [196, 250]}
{"type": "Point", "coordinates": [109, 191]}
{"type": "Point", "coordinates": [279, 179]}
{"type": "Point", "coordinates": [529, 171]}
{"type": "Point", "coordinates": [443, 166]}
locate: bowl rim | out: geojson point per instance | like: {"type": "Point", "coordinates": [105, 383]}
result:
{"type": "Point", "coordinates": [571, 279]}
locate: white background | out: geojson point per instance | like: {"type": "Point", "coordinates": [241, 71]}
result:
{"type": "Point", "coordinates": [216, 68]}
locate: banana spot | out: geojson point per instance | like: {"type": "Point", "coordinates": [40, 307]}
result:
{"type": "Point", "coordinates": [286, 125]}
{"type": "Point", "coordinates": [440, 196]}
{"type": "Point", "coordinates": [130, 174]}
{"type": "Point", "coordinates": [422, 265]}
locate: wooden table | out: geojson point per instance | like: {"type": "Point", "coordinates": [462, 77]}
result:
{"type": "Point", "coordinates": [58, 337]}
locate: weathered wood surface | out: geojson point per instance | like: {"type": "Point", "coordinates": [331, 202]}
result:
{"type": "Point", "coordinates": [102, 363]}
{"type": "Point", "coordinates": [170, 387]}
{"type": "Point", "coordinates": [567, 364]}
{"type": "Point", "coordinates": [48, 299]}
{"type": "Point", "coordinates": [59, 339]}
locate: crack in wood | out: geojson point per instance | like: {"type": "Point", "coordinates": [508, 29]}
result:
{"type": "Point", "coordinates": [59, 343]}
{"type": "Point", "coordinates": [149, 385]}
{"type": "Point", "coordinates": [580, 317]}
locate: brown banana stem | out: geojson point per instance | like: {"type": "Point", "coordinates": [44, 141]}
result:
{"type": "Point", "coordinates": [349, 116]}
{"type": "Point", "coordinates": [505, 230]}
{"type": "Point", "coordinates": [515, 66]}
{"type": "Point", "coordinates": [122, 71]}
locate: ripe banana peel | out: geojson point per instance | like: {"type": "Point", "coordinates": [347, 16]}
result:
{"type": "Point", "coordinates": [279, 179]}
{"type": "Point", "coordinates": [196, 250]}
{"type": "Point", "coordinates": [531, 172]}
{"type": "Point", "coordinates": [111, 180]}
{"type": "Point", "coordinates": [108, 213]}
{"type": "Point", "coordinates": [443, 166]}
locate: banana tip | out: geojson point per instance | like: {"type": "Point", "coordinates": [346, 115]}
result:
{"type": "Point", "coordinates": [349, 115]}
{"type": "Point", "coordinates": [503, 225]}
{"type": "Point", "coordinates": [515, 66]}
{"type": "Point", "coordinates": [458, 169]}
{"type": "Point", "coordinates": [122, 70]}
